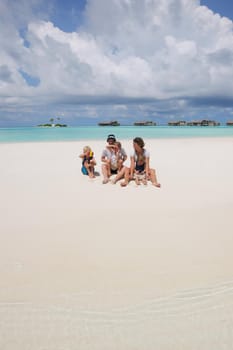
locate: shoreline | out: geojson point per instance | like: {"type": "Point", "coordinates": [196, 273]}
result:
{"type": "Point", "coordinates": [126, 140]}
{"type": "Point", "coordinates": [75, 134]}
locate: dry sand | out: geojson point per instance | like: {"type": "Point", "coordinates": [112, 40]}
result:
{"type": "Point", "coordinates": [90, 266]}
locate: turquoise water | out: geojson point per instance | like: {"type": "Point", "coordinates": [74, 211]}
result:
{"type": "Point", "coordinates": [34, 134]}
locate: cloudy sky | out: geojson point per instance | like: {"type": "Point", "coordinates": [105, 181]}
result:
{"type": "Point", "coordinates": [89, 60]}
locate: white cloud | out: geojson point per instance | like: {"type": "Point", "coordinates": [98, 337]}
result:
{"type": "Point", "coordinates": [151, 50]}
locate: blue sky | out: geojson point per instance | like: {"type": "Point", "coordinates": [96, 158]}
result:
{"type": "Point", "coordinates": [86, 61]}
{"type": "Point", "coordinates": [223, 7]}
{"type": "Point", "coordinates": [68, 13]}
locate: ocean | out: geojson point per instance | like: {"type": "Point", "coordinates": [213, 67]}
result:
{"type": "Point", "coordinates": [77, 133]}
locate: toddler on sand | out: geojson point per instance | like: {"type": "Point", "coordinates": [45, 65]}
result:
{"type": "Point", "coordinates": [88, 162]}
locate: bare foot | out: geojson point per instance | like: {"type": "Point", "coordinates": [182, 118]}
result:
{"type": "Point", "coordinates": [124, 183]}
{"type": "Point", "coordinates": [105, 181]}
{"type": "Point", "coordinates": [156, 184]}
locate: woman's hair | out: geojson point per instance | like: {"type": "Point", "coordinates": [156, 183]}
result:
{"type": "Point", "coordinates": [139, 141]}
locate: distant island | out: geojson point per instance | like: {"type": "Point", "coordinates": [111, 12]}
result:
{"type": "Point", "coordinates": [52, 124]}
{"type": "Point", "coordinates": [110, 123]}
{"type": "Point", "coordinates": [47, 125]}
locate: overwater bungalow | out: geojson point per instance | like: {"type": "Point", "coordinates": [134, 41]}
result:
{"type": "Point", "coordinates": [203, 122]}
{"type": "Point", "coordinates": [177, 123]}
{"type": "Point", "coordinates": [229, 123]}
{"type": "Point", "coordinates": [145, 123]}
{"type": "Point", "coordinates": [109, 123]}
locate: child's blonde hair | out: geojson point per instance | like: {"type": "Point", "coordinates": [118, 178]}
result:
{"type": "Point", "coordinates": [118, 144]}
{"type": "Point", "coordinates": [86, 149]}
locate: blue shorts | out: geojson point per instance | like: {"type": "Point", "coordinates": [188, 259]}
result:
{"type": "Point", "coordinates": [84, 170]}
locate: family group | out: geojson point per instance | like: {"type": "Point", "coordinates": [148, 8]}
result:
{"type": "Point", "coordinates": [113, 158]}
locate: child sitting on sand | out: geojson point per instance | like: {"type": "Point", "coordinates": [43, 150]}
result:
{"type": "Point", "coordinates": [117, 158]}
{"type": "Point", "coordinates": [140, 177]}
{"type": "Point", "coordinates": [121, 155]}
{"type": "Point", "coordinates": [88, 162]}
{"type": "Point", "coordinates": [113, 157]}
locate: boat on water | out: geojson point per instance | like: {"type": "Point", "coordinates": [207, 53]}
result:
{"type": "Point", "coordinates": [110, 123]}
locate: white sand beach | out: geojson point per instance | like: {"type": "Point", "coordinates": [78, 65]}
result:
{"type": "Point", "coordinates": [89, 266]}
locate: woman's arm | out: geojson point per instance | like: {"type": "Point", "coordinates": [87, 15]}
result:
{"type": "Point", "coordinates": [132, 167]}
{"type": "Point", "coordinates": [147, 167]}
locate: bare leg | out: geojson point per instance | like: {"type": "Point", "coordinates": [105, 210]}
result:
{"type": "Point", "coordinates": [144, 180]}
{"type": "Point", "coordinates": [153, 178]}
{"type": "Point", "coordinates": [137, 180]}
{"type": "Point", "coordinates": [119, 175]}
{"type": "Point", "coordinates": [120, 165]}
{"type": "Point", "coordinates": [90, 170]}
{"type": "Point", "coordinates": [104, 169]}
{"type": "Point", "coordinates": [126, 179]}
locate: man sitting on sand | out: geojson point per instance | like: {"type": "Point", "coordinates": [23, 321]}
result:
{"type": "Point", "coordinates": [113, 157]}
{"type": "Point", "coordinates": [139, 165]}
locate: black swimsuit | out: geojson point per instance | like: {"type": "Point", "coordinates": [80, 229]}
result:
{"type": "Point", "coordinates": [140, 168]}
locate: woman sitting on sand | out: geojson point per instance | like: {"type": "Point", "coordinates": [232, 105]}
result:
{"type": "Point", "coordinates": [88, 162]}
{"type": "Point", "coordinates": [139, 165]}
